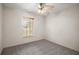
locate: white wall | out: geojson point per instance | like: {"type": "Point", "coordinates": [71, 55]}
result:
{"type": "Point", "coordinates": [13, 30]}
{"type": "Point", "coordinates": [0, 28]}
{"type": "Point", "coordinates": [63, 28]}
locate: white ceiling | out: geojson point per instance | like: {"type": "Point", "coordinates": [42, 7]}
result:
{"type": "Point", "coordinates": [33, 7]}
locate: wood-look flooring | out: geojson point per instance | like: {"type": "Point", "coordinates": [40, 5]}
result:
{"type": "Point", "coordinates": [41, 47]}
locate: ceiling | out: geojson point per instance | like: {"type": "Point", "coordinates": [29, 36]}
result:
{"type": "Point", "coordinates": [33, 7]}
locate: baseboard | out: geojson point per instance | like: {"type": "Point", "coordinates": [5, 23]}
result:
{"type": "Point", "coordinates": [62, 45]}
{"type": "Point", "coordinates": [22, 44]}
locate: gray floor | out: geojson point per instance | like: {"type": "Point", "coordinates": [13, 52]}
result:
{"type": "Point", "coordinates": [41, 47]}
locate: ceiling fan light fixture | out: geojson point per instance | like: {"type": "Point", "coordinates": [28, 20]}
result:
{"type": "Point", "coordinates": [44, 8]}
{"type": "Point", "coordinates": [41, 7]}
{"type": "Point", "coordinates": [41, 11]}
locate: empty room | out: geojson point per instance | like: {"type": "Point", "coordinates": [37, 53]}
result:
{"type": "Point", "coordinates": [39, 28]}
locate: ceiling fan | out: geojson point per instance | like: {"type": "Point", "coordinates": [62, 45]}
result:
{"type": "Point", "coordinates": [44, 8]}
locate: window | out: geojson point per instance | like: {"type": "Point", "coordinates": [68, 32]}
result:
{"type": "Point", "coordinates": [28, 26]}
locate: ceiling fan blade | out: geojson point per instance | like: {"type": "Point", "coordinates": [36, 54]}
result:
{"type": "Point", "coordinates": [49, 6]}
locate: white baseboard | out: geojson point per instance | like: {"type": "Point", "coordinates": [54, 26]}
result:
{"type": "Point", "coordinates": [62, 44]}
{"type": "Point", "coordinates": [27, 40]}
